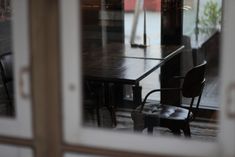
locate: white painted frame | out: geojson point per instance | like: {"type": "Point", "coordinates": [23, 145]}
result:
{"type": "Point", "coordinates": [76, 134]}
{"type": "Point", "coordinates": [21, 124]}
{"type": "Point", "coordinates": [15, 151]}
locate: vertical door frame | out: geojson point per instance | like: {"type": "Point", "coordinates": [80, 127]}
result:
{"type": "Point", "coordinates": [45, 77]}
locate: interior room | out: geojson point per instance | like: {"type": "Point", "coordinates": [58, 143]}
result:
{"type": "Point", "coordinates": [114, 32]}
{"type": "Point", "coordinates": [114, 78]}
{"type": "Point", "coordinates": [148, 27]}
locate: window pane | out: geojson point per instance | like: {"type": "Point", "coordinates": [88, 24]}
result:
{"type": "Point", "coordinates": [108, 103]}
{"type": "Point", "coordinates": [15, 107]}
{"type": "Point", "coordinates": [116, 78]}
{"type": "Point", "coordinates": [6, 60]}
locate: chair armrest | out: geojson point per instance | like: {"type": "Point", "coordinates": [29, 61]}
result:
{"type": "Point", "coordinates": [157, 90]}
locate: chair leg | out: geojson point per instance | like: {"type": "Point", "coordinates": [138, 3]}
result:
{"type": "Point", "coordinates": [186, 130]}
{"type": "Point", "coordinates": [150, 123]}
{"type": "Point", "coordinates": [99, 96]}
{"type": "Point", "coordinates": [138, 121]}
{"type": "Point", "coordinates": [112, 106]}
{"type": "Point", "coordinates": [176, 131]}
{"type": "Point", "coordinates": [98, 116]}
{"type": "Point", "coordinates": [150, 129]}
{"type": "Point", "coordinates": [113, 116]}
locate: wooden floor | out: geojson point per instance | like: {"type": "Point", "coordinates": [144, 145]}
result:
{"type": "Point", "coordinates": [203, 131]}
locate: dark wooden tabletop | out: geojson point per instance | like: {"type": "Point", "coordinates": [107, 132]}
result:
{"type": "Point", "coordinates": [120, 63]}
{"type": "Point", "coordinates": [119, 70]}
{"type": "Point", "coordinates": [158, 52]}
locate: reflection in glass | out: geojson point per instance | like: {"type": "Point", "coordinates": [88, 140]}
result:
{"type": "Point", "coordinates": [6, 60]}
{"type": "Point", "coordinates": [118, 76]}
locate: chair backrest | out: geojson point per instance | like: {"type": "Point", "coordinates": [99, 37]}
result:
{"type": "Point", "coordinates": [6, 67]}
{"type": "Point", "coordinates": [194, 81]}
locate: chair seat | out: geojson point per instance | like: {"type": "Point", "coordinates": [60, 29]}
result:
{"type": "Point", "coordinates": [173, 112]}
{"type": "Point", "coordinates": [158, 114]}
{"type": "Point", "coordinates": [164, 111]}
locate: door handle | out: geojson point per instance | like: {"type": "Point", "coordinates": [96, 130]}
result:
{"type": "Point", "coordinates": [230, 100]}
{"type": "Point", "coordinates": [24, 78]}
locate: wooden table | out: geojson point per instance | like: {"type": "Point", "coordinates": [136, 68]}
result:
{"type": "Point", "coordinates": [155, 52]}
{"type": "Point", "coordinates": [119, 63]}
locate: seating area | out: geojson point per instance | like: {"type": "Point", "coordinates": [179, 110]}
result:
{"type": "Point", "coordinates": [151, 116]}
{"type": "Point", "coordinates": [168, 83]}
{"type": "Point", "coordinates": [119, 75]}
{"type": "Point", "coordinates": [113, 78]}
{"type": "Point", "coordinates": [101, 103]}
{"type": "Point", "coordinates": [176, 118]}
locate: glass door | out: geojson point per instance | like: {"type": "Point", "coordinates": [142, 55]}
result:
{"type": "Point", "coordinates": [78, 135]}
{"type": "Point", "coordinates": [16, 118]}
{"type": "Point", "coordinates": [16, 131]}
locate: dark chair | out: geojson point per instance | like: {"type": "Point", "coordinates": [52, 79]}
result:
{"type": "Point", "coordinates": [6, 69]}
{"type": "Point", "coordinates": [176, 118]}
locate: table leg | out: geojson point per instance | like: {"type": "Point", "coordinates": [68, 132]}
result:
{"type": "Point", "coordinates": [137, 96]}
{"type": "Point", "coordinates": [99, 102]}
{"type": "Point", "coordinates": [109, 101]}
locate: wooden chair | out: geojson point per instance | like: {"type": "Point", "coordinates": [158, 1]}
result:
{"type": "Point", "coordinates": [176, 118]}
{"type": "Point", "coordinates": [6, 69]}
